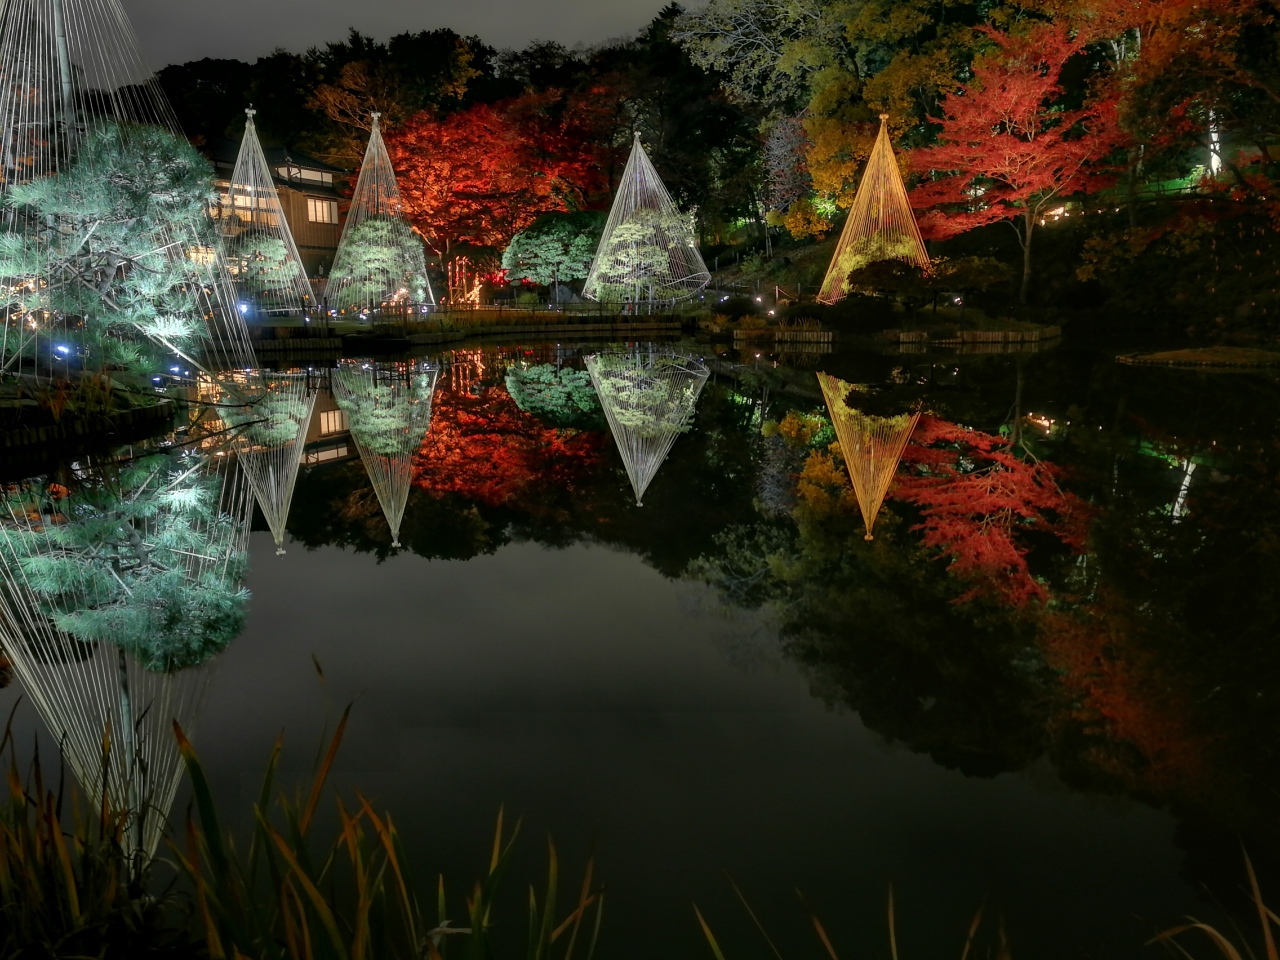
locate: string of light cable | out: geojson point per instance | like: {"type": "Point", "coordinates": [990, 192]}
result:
{"type": "Point", "coordinates": [881, 224]}
{"type": "Point", "coordinates": [649, 251]}
{"type": "Point", "coordinates": [648, 394]}
{"type": "Point", "coordinates": [262, 258]}
{"type": "Point", "coordinates": [380, 260]}
{"type": "Point", "coordinates": [871, 446]}
{"type": "Point", "coordinates": [388, 408]}
{"type": "Point", "coordinates": [121, 583]}
{"type": "Point", "coordinates": [106, 240]}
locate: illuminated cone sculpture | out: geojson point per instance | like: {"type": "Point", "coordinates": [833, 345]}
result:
{"type": "Point", "coordinates": [388, 408]}
{"type": "Point", "coordinates": [117, 592]}
{"type": "Point", "coordinates": [270, 442]}
{"type": "Point", "coordinates": [871, 446]}
{"type": "Point", "coordinates": [648, 252]}
{"type": "Point", "coordinates": [261, 255]}
{"type": "Point", "coordinates": [106, 238]}
{"type": "Point", "coordinates": [881, 224]}
{"type": "Point", "coordinates": [380, 259]}
{"type": "Point", "coordinates": [648, 398]}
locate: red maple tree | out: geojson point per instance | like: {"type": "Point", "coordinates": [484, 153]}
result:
{"type": "Point", "coordinates": [979, 499]}
{"type": "Point", "coordinates": [482, 175]}
{"type": "Point", "coordinates": [1007, 147]}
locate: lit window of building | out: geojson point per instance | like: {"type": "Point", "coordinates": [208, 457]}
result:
{"type": "Point", "coordinates": [322, 211]}
{"type": "Point", "coordinates": [332, 421]}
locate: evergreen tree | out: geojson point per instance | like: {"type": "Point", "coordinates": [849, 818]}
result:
{"type": "Point", "coordinates": [98, 249]}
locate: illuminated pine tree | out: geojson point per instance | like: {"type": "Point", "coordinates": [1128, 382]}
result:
{"type": "Point", "coordinates": [262, 257]}
{"type": "Point", "coordinates": [648, 251]}
{"type": "Point", "coordinates": [881, 224]}
{"type": "Point", "coordinates": [380, 259]}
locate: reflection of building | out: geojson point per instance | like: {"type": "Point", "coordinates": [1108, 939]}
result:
{"type": "Point", "coordinates": [309, 196]}
{"type": "Point", "coordinates": [329, 438]}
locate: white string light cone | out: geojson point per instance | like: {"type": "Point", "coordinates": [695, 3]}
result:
{"type": "Point", "coordinates": [648, 396]}
{"type": "Point", "coordinates": [881, 224]}
{"type": "Point", "coordinates": [262, 258]}
{"type": "Point", "coordinates": [119, 587]}
{"type": "Point", "coordinates": [106, 240]}
{"type": "Point", "coordinates": [388, 408]}
{"type": "Point", "coordinates": [648, 252]}
{"type": "Point", "coordinates": [380, 259]}
{"type": "Point", "coordinates": [270, 442]}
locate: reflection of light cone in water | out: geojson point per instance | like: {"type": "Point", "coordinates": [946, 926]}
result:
{"type": "Point", "coordinates": [115, 593]}
{"type": "Point", "coordinates": [648, 250]}
{"type": "Point", "coordinates": [388, 408]}
{"type": "Point", "coordinates": [648, 398]}
{"type": "Point", "coordinates": [270, 442]}
{"type": "Point", "coordinates": [262, 257]}
{"type": "Point", "coordinates": [871, 446]}
{"type": "Point", "coordinates": [84, 124]}
{"type": "Point", "coordinates": [881, 224]}
{"type": "Point", "coordinates": [380, 259]}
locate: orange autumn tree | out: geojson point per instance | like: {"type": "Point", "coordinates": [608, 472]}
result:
{"type": "Point", "coordinates": [1008, 147]}
{"type": "Point", "coordinates": [482, 175]}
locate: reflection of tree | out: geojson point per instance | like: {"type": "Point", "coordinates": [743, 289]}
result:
{"type": "Point", "coordinates": [388, 408]}
{"type": "Point", "coordinates": [113, 563]}
{"type": "Point", "coordinates": [648, 397]}
{"type": "Point", "coordinates": [491, 452]}
{"type": "Point", "coordinates": [877, 628]}
{"type": "Point", "coordinates": [982, 503]}
{"type": "Point", "coordinates": [489, 473]}
{"type": "Point", "coordinates": [117, 587]}
{"type": "Point", "coordinates": [559, 397]}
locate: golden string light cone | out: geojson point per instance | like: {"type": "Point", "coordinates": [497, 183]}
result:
{"type": "Point", "coordinates": [871, 446]}
{"type": "Point", "coordinates": [881, 225]}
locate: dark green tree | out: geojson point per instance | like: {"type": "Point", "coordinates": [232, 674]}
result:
{"type": "Point", "coordinates": [103, 246]}
{"type": "Point", "coordinates": [557, 247]}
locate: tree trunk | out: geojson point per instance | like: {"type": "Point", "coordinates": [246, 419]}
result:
{"type": "Point", "coordinates": [129, 751]}
{"type": "Point", "coordinates": [1131, 185]}
{"type": "Point", "coordinates": [1029, 224]}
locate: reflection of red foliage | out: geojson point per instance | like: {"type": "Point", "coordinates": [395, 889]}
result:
{"type": "Point", "coordinates": [489, 450]}
{"type": "Point", "coordinates": [484, 174]}
{"type": "Point", "coordinates": [1125, 694]}
{"type": "Point", "coordinates": [978, 498]}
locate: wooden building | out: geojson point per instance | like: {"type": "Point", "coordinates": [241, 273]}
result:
{"type": "Point", "coordinates": [310, 196]}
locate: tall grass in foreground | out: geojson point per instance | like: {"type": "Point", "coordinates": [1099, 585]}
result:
{"type": "Point", "coordinates": [352, 897]}
{"type": "Point", "coordinates": [67, 885]}
{"type": "Point", "coordinates": [996, 947]}
{"type": "Point", "coordinates": [1232, 949]}
{"type": "Point", "coordinates": [993, 947]}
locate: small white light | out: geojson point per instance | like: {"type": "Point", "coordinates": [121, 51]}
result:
{"type": "Point", "coordinates": [62, 350]}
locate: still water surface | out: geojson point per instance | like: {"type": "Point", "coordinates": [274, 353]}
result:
{"type": "Point", "coordinates": [542, 643]}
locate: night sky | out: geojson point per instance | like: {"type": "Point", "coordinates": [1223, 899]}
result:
{"type": "Point", "coordinates": [246, 29]}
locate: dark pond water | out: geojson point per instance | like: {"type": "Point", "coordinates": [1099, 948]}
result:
{"type": "Point", "coordinates": [730, 678]}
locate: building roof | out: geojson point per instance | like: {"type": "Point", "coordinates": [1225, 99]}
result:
{"type": "Point", "coordinates": [224, 150]}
